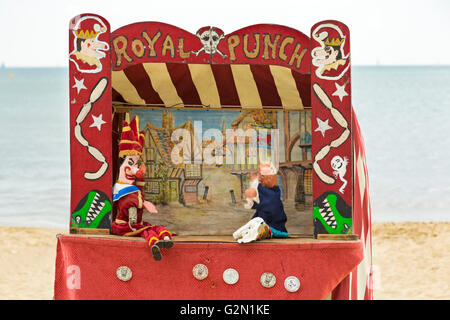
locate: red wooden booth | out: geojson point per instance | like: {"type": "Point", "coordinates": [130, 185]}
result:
{"type": "Point", "coordinates": [294, 88]}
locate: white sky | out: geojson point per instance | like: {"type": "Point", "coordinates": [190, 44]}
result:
{"type": "Point", "coordinates": [395, 32]}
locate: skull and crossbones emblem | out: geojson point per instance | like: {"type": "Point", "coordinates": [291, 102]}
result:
{"type": "Point", "coordinates": [210, 38]}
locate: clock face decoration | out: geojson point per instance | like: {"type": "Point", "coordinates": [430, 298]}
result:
{"type": "Point", "coordinates": [200, 271]}
{"type": "Point", "coordinates": [268, 280]}
{"type": "Point", "coordinates": [124, 273]}
{"type": "Point", "coordinates": [230, 276]}
{"type": "Point", "coordinates": [292, 284]}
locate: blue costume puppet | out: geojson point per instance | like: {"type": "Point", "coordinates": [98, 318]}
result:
{"type": "Point", "coordinates": [264, 195]}
{"type": "Point", "coordinates": [270, 209]}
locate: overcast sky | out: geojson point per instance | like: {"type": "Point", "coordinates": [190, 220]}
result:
{"type": "Point", "coordinates": [395, 32]}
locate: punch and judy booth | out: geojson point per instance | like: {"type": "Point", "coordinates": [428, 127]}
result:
{"type": "Point", "coordinates": [208, 109]}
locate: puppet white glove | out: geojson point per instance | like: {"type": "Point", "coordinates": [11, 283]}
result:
{"type": "Point", "coordinates": [253, 185]}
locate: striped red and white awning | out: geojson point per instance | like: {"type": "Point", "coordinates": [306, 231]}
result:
{"type": "Point", "coordinates": [359, 283]}
{"type": "Point", "coordinates": [212, 85]}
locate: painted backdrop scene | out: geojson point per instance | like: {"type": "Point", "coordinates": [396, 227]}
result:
{"type": "Point", "coordinates": [202, 191]}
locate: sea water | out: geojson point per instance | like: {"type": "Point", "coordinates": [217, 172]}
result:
{"type": "Point", "coordinates": [404, 114]}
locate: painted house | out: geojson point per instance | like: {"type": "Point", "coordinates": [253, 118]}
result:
{"type": "Point", "coordinates": [295, 161]}
{"type": "Point", "coordinates": [246, 159]}
{"type": "Point", "coordinates": [294, 147]}
{"type": "Point", "coordinates": [167, 181]}
{"type": "Point", "coordinates": [192, 164]}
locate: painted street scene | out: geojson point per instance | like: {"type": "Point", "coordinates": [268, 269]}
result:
{"type": "Point", "coordinates": [198, 166]}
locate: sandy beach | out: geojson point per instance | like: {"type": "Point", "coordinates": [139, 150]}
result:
{"type": "Point", "coordinates": [411, 261]}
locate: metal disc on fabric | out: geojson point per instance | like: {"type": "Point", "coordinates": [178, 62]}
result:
{"type": "Point", "coordinates": [230, 276]}
{"type": "Point", "coordinates": [268, 279]}
{"type": "Point", "coordinates": [124, 273]}
{"type": "Point", "coordinates": [292, 284]}
{"type": "Point", "coordinates": [200, 271]}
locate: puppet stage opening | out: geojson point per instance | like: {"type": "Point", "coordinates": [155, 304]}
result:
{"type": "Point", "coordinates": [199, 162]}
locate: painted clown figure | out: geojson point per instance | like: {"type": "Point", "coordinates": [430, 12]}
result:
{"type": "Point", "coordinates": [329, 57]}
{"type": "Point", "coordinates": [88, 49]}
{"type": "Point", "coordinates": [264, 195]}
{"type": "Point", "coordinates": [128, 194]}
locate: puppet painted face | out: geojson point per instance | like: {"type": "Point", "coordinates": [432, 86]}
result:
{"type": "Point", "coordinates": [266, 176]}
{"type": "Point", "coordinates": [128, 169]}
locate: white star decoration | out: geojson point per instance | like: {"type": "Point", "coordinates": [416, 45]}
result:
{"type": "Point", "coordinates": [322, 126]}
{"type": "Point", "coordinates": [79, 84]}
{"type": "Point", "coordinates": [98, 121]}
{"type": "Point", "coordinates": [340, 91]}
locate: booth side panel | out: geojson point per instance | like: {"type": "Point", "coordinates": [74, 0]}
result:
{"type": "Point", "coordinates": [90, 123]}
{"type": "Point", "coordinates": [331, 118]}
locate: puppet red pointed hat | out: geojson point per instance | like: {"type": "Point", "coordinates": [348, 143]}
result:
{"type": "Point", "coordinates": [131, 141]}
{"type": "Point", "coordinates": [329, 36]}
{"type": "Point", "coordinates": [89, 28]}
